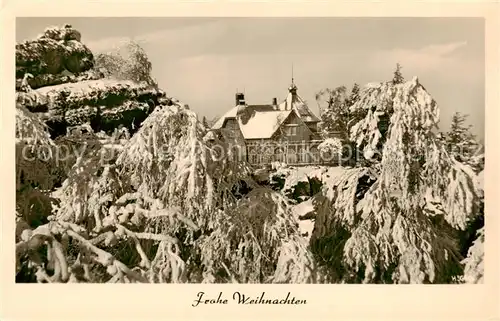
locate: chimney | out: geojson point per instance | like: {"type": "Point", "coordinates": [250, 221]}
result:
{"type": "Point", "coordinates": [240, 99]}
{"type": "Point", "coordinates": [275, 103]}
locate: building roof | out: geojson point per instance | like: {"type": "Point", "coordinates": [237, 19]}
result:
{"type": "Point", "coordinates": [234, 111]}
{"type": "Point", "coordinates": [261, 107]}
{"type": "Point", "coordinates": [260, 123]}
{"type": "Point", "coordinates": [263, 125]}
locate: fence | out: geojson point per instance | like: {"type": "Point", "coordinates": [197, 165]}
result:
{"type": "Point", "coordinates": [289, 152]}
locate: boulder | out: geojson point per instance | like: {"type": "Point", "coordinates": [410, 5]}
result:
{"type": "Point", "coordinates": [78, 57]}
{"type": "Point", "coordinates": [57, 80]}
{"type": "Point", "coordinates": [52, 52]}
{"type": "Point", "coordinates": [65, 33]}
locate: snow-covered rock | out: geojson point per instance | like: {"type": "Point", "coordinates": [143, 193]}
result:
{"type": "Point", "coordinates": [43, 80]}
{"type": "Point", "coordinates": [54, 51]}
{"type": "Point", "coordinates": [105, 103]}
{"type": "Point", "coordinates": [56, 80]}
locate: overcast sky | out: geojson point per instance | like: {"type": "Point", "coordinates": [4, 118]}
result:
{"type": "Point", "coordinates": [203, 61]}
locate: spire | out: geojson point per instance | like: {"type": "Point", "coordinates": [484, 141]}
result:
{"type": "Point", "coordinates": [293, 87]}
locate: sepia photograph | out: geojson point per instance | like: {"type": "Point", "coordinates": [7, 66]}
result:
{"type": "Point", "coordinates": [263, 150]}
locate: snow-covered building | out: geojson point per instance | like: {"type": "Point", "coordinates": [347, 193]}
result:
{"type": "Point", "coordinates": [290, 121]}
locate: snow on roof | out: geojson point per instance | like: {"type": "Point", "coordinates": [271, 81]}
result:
{"type": "Point", "coordinates": [230, 114]}
{"type": "Point", "coordinates": [234, 111]}
{"type": "Point", "coordinates": [265, 120]}
{"type": "Point", "coordinates": [262, 124]}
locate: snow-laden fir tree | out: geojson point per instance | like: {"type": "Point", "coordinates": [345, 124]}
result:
{"type": "Point", "coordinates": [257, 241]}
{"type": "Point", "coordinates": [34, 168]}
{"type": "Point", "coordinates": [135, 207]}
{"type": "Point", "coordinates": [398, 76]}
{"type": "Point", "coordinates": [204, 121]}
{"type": "Point", "coordinates": [377, 224]}
{"type": "Point", "coordinates": [462, 143]}
{"type": "Point", "coordinates": [334, 108]}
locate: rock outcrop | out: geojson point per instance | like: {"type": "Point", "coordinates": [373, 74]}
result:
{"type": "Point", "coordinates": [54, 51]}
{"type": "Point", "coordinates": [57, 79]}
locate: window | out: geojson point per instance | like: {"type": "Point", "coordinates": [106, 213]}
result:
{"type": "Point", "coordinates": [291, 130]}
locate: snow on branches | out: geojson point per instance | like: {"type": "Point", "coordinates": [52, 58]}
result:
{"type": "Point", "coordinates": [390, 238]}
{"type": "Point", "coordinates": [34, 149]}
{"type": "Point", "coordinates": [251, 238]}
{"type": "Point", "coordinates": [34, 167]}
{"type": "Point", "coordinates": [331, 145]}
{"type": "Point", "coordinates": [30, 129]}
{"type": "Point", "coordinates": [172, 204]}
{"type": "Point", "coordinates": [127, 61]}
{"type": "Point", "coordinates": [474, 262]}
{"type": "Point", "coordinates": [167, 157]}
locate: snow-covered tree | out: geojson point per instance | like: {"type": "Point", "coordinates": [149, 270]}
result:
{"type": "Point", "coordinates": [257, 241]}
{"type": "Point", "coordinates": [166, 202]}
{"type": "Point", "coordinates": [34, 168]}
{"type": "Point", "coordinates": [462, 143]}
{"type": "Point", "coordinates": [127, 61]}
{"type": "Point", "coordinates": [474, 262]}
{"type": "Point", "coordinates": [157, 191]}
{"type": "Point", "coordinates": [387, 231]}
{"type": "Point", "coordinates": [204, 121]}
{"type": "Point", "coordinates": [398, 76]}
{"type": "Point", "coordinates": [354, 95]}
{"type": "Point", "coordinates": [334, 109]}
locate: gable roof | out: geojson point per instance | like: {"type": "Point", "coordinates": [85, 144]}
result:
{"type": "Point", "coordinates": [263, 125]}
{"type": "Point", "coordinates": [262, 122]}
